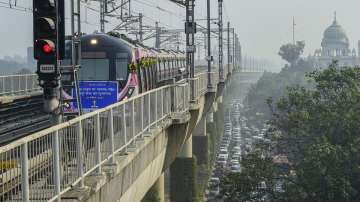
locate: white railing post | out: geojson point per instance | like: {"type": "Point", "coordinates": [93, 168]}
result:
{"type": "Point", "coordinates": [3, 87]}
{"type": "Point", "coordinates": [26, 82]}
{"type": "Point", "coordinates": [162, 102]}
{"type": "Point", "coordinates": [79, 146]}
{"type": "Point", "coordinates": [156, 108]}
{"type": "Point", "coordinates": [12, 85]}
{"type": "Point", "coordinates": [56, 161]}
{"type": "Point", "coordinates": [149, 110]}
{"type": "Point", "coordinates": [24, 173]}
{"type": "Point", "coordinates": [142, 114]}
{"type": "Point", "coordinates": [124, 125]}
{"type": "Point", "coordinates": [98, 143]}
{"type": "Point", "coordinates": [19, 87]}
{"type": "Point", "coordinates": [133, 119]}
{"type": "Point", "coordinates": [175, 98]}
{"type": "Point", "coordinates": [111, 135]}
{"type": "Point", "coordinates": [184, 97]}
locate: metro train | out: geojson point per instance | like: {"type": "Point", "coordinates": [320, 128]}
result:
{"type": "Point", "coordinates": [135, 67]}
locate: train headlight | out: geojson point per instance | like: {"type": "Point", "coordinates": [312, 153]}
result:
{"type": "Point", "coordinates": [93, 41]}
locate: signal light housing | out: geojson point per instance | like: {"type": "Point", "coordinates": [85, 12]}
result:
{"type": "Point", "coordinates": [49, 38]}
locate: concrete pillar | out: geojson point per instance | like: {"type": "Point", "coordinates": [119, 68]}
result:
{"type": "Point", "coordinates": [182, 175]}
{"type": "Point", "coordinates": [200, 143]}
{"type": "Point", "coordinates": [186, 151]}
{"type": "Point", "coordinates": [210, 117]}
{"type": "Point", "coordinates": [157, 191]}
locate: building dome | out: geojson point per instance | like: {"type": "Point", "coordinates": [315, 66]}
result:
{"type": "Point", "coordinates": [335, 36]}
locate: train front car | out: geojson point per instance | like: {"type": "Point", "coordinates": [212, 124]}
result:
{"type": "Point", "coordinates": [108, 71]}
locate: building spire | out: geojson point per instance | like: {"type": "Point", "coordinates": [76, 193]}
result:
{"type": "Point", "coordinates": [335, 20]}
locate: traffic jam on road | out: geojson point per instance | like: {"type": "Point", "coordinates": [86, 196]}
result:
{"type": "Point", "coordinates": [238, 139]}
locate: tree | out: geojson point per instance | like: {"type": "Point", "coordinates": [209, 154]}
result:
{"type": "Point", "coordinates": [317, 130]}
{"type": "Point", "coordinates": [292, 52]}
{"type": "Point", "coordinates": [319, 135]}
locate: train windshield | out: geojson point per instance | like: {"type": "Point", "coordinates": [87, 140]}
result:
{"type": "Point", "coordinates": [94, 69]}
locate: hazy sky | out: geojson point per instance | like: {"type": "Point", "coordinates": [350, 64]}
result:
{"type": "Point", "coordinates": [263, 25]}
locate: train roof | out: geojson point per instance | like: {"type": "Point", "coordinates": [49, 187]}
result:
{"type": "Point", "coordinates": [120, 43]}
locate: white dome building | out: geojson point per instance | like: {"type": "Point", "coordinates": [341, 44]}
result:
{"type": "Point", "coordinates": [335, 46]}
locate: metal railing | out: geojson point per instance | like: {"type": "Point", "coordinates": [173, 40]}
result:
{"type": "Point", "coordinates": [214, 76]}
{"type": "Point", "coordinates": [49, 163]}
{"type": "Point", "coordinates": [198, 85]}
{"type": "Point", "coordinates": [17, 84]}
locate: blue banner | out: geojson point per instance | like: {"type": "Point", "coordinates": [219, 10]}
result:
{"type": "Point", "coordinates": [97, 94]}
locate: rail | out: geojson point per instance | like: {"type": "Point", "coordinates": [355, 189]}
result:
{"type": "Point", "coordinates": [18, 84]}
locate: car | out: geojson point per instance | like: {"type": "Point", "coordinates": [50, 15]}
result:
{"type": "Point", "coordinates": [234, 162]}
{"type": "Point", "coordinates": [235, 168]}
{"type": "Point", "coordinates": [214, 181]}
{"type": "Point", "coordinates": [223, 150]}
{"type": "Point", "coordinates": [236, 149]}
{"type": "Point", "coordinates": [236, 156]}
{"type": "Point", "coordinates": [223, 156]}
{"type": "Point", "coordinates": [236, 135]}
{"type": "Point", "coordinates": [221, 161]}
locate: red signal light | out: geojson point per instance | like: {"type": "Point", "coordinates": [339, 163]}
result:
{"type": "Point", "coordinates": [47, 48]}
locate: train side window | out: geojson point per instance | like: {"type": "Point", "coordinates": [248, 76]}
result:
{"type": "Point", "coordinates": [121, 64]}
{"type": "Point", "coordinates": [121, 69]}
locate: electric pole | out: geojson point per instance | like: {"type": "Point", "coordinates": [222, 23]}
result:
{"type": "Point", "coordinates": [141, 27]}
{"type": "Point", "coordinates": [294, 30]}
{"type": "Point", "coordinates": [221, 54]}
{"type": "Point", "coordinates": [157, 35]}
{"type": "Point", "coordinates": [233, 59]}
{"type": "Point", "coordinates": [190, 30]}
{"type": "Point", "coordinates": [102, 15]}
{"type": "Point", "coordinates": [209, 58]}
{"type": "Point", "coordinates": [228, 47]}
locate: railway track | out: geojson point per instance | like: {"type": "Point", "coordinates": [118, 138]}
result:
{"type": "Point", "coordinates": [22, 117]}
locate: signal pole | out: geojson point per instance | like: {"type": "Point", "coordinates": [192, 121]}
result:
{"type": "Point", "coordinates": [157, 35]}
{"type": "Point", "coordinates": [221, 54]}
{"type": "Point", "coordinates": [102, 15]}
{"type": "Point", "coordinates": [141, 27]}
{"type": "Point", "coordinates": [233, 59]}
{"type": "Point", "coordinates": [209, 58]}
{"type": "Point", "coordinates": [190, 30]}
{"type": "Point", "coordinates": [228, 46]}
